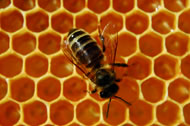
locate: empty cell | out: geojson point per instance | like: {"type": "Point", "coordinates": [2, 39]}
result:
{"type": "Point", "coordinates": [24, 43]}
{"type": "Point", "coordinates": [49, 43]}
{"type": "Point", "coordinates": [185, 69]}
{"type": "Point", "coordinates": [163, 22]}
{"type": "Point", "coordinates": [98, 6]}
{"type": "Point", "coordinates": [175, 5]}
{"type": "Point", "coordinates": [22, 89]}
{"type": "Point", "coordinates": [3, 88]}
{"type": "Point", "coordinates": [150, 44]}
{"type": "Point", "coordinates": [10, 65]}
{"type": "Point", "coordinates": [49, 5]}
{"type": "Point", "coordinates": [141, 113]}
{"type": "Point", "coordinates": [61, 66]}
{"type": "Point", "coordinates": [4, 3]}
{"type": "Point", "coordinates": [87, 21]}
{"type": "Point", "coordinates": [127, 44]}
{"type": "Point", "coordinates": [153, 89]}
{"type": "Point", "coordinates": [88, 112]}
{"type": "Point", "coordinates": [74, 5]}
{"type": "Point", "coordinates": [11, 20]}
{"type": "Point", "coordinates": [139, 67]}
{"type": "Point", "coordinates": [115, 20]}
{"type": "Point", "coordinates": [167, 113]}
{"type": "Point", "coordinates": [186, 113]}
{"type": "Point", "coordinates": [123, 6]}
{"type": "Point", "coordinates": [24, 4]}
{"type": "Point", "coordinates": [165, 67]}
{"type": "Point", "coordinates": [116, 113]}
{"type": "Point", "coordinates": [137, 22]}
{"type": "Point", "coordinates": [61, 112]}
{"type": "Point", "coordinates": [62, 22]}
{"type": "Point", "coordinates": [177, 43]}
{"type": "Point", "coordinates": [9, 114]}
{"type": "Point", "coordinates": [36, 65]}
{"type": "Point", "coordinates": [74, 88]}
{"type": "Point", "coordinates": [148, 5]}
{"type": "Point", "coordinates": [179, 90]}
{"type": "Point", "coordinates": [4, 42]}
{"type": "Point", "coordinates": [35, 113]}
{"type": "Point", "coordinates": [48, 88]}
{"type": "Point", "coordinates": [184, 21]}
{"type": "Point", "coordinates": [128, 90]}
{"type": "Point", "coordinates": [37, 21]}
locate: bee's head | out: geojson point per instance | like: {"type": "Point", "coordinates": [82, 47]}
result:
{"type": "Point", "coordinates": [104, 77]}
{"type": "Point", "coordinates": [109, 91]}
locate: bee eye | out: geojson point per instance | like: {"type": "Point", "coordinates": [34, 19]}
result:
{"type": "Point", "coordinates": [104, 94]}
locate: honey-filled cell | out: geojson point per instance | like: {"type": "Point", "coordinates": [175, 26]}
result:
{"type": "Point", "coordinates": [49, 5]}
{"type": "Point", "coordinates": [24, 5]}
{"type": "Point", "coordinates": [4, 42]}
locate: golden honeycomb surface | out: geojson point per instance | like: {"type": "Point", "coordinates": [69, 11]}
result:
{"type": "Point", "coordinates": [38, 86]}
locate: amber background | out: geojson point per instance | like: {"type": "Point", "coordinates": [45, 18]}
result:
{"type": "Point", "coordinates": [38, 86]}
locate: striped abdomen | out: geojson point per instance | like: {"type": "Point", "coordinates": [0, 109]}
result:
{"type": "Point", "coordinates": [84, 48]}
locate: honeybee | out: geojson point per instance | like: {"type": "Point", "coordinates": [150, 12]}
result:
{"type": "Point", "coordinates": [83, 51]}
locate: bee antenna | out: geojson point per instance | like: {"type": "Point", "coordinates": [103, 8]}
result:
{"type": "Point", "coordinates": [108, 108]}
{"type": "Point", "coordinates": [122, 100]}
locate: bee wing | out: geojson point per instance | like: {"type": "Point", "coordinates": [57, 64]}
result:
{"type": "Point", "coordinates": [110, 42]}
{"type": "Point", "coordinates": [69, 55]}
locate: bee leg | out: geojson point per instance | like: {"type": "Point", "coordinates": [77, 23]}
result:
{"type": "Point", "coordinates": [120, 64]}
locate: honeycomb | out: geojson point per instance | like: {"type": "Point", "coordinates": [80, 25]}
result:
{"type": "Point", "coordinates": [38, 86]}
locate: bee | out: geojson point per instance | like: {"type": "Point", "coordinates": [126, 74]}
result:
{"type": "Point", "coordinates": [84, 52]}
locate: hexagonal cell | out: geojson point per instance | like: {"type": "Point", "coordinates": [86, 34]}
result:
{"type": "Point", "coordinates": [22, 89]}
{"type": "Point", "coordinates": [137, 22]}
{"type": "Point", "coordinates": [168, 113]}
{"type": "Point", "coordinates": [153, 89]}
{"type": "Point", "coordinates": [74, 5]}
{"type": "Point", "coordinates": [10, 65]}
{"type": "Point", "coordinates": [177, 43]}
{"type": "Point", "coordinates": [175, 5]}
{"type": "Point", "coordinates": [74, 88]}
{"type": "Point", "coordinates": [48, 88]}
{"type": "Point", "coordinates": [61, 112]}
{"type": "Point", "coordinates": [150, 44]}
{"type": "Point", "coordinates": [185, 69]}
{"type": "Point", "coordinates": [184, 21]}
{"type": "Point", "coordinates": [113, 19]}
{"type": "Point", "coordinates": [148, 5]}
{"type": "Point", "coordinates": [186, 113]}
{"type": "Point", "coordinates": [98, 6]}
{"type": "Point", "coordinates": [37, 21]}
{"type": "Point", "coordinates": [179, 90]}
{"type": "Point", "coordinates": [165, 67]}
{"type": "Point", "coordinates": [127, 44]}
{"type": "Point", "coordinates": [128, 89]}
{"type": "Point", "coordinates": [182, 124]}
{"type": "Point", "coordinates": [24, 4]}
{"type": "Point", "coordinates": [87, 21]}
{"type": "Point", "coordinates": [74, 124]}
{"type": "Point", "coordinates": [61, 67]}
{"type": "Point", "coordinates": [24, 43]}
{"type": "Point", "coordinates": [139, 67]}
{"type": "Point", "coordinates": [49, 43]}
{"type": "Point", "coordinates": [4, 3]}
{"type": "Point", "coordinates": [163, 22]}
{"type": "Point", "coordinates": [36, 65]}
{"type": "Point", "coordinates": [123, 6]}
{"type": "Point", "coordinates": [116, 113]}
{"type": "Point", "coordinates": [4, 42]}
{"type": "Point", "coordinates": [127, 124]}
{"type": "Point", "coordinates": [62, 22]}
{"type": "Point", "coordinates": [9, 114]}
{"type": "Point", "coordinates": [3, 88]}
{"type": "Point", "coordinates": [11, 20]}
{"type": "Point", "coordinates": [49, 5]}
{"type": "Point", "coordinates": [88, 112]}
{"type": "Point", "coordinates": [35, 113]}
{"type": "Point", "coordinates": [141, 113]}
